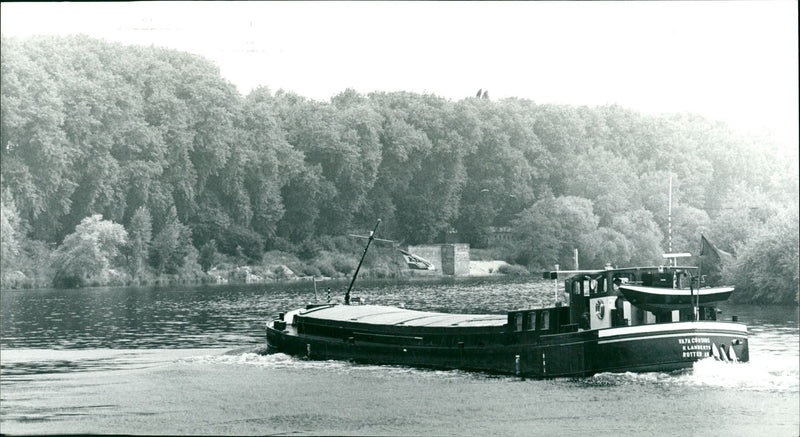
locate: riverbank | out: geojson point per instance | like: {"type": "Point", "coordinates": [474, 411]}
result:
{"type": "Point", "coordinates": [277, 266]}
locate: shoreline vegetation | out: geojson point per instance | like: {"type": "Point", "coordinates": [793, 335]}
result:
{"type": "Point", "coordinates": [126, 164]}
{"type": "Point", "coordinates": [278, 267]}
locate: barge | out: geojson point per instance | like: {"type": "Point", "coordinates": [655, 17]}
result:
{"type": "Point", "coordinates": [638, 319]}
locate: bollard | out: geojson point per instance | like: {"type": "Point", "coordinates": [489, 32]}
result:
{"type": "Point", "coordinates": [518, 367]}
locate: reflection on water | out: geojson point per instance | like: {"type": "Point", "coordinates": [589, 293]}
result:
{"type": "Point", "coordinates": [234, 315]}
{"type": "Point", "coordinates": [218, 316]}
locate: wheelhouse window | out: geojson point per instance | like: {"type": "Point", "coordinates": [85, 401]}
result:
{"type": "Point", "coordinates": [531, 321]}
{"type": "Point", "coordinates": [545, 320]}
{"type": "Point", "coordinates": [601, 284]}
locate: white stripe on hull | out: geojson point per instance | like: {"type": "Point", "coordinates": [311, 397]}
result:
{"type": "Point", "coordinates": [683, 334]}
{"type": "Point", "coordinates": [661, 327]}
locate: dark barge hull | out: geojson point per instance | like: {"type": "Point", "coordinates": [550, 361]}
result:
{"type": "Point", "coordinates": [659, 347]}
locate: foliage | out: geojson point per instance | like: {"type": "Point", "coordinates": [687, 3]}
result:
{"type": "Point", "coordinates": [139, 239]}
{"type": "Point", "coordinates": [208, 255]}
{"type": "Point", "coordinates": [157, 140]}
{"type": "Point", "coordinates": [513, 269]}
{"type": "Point", "coordinates": [10, 236]}
{"type": "Point", "coordinates": [172, 246]}
{"type": "Point", "coordinates": [90, 253]}
{"type": "Point", "coordinates": [551, 228]}
{"type": "Point", "coordinates": [767, 267]}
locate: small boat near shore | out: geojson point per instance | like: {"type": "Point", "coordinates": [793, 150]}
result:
{"type": "Point", "coordinates": [637, 319]}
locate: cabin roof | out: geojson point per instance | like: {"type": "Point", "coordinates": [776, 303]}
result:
{"type": "Point", "coordinates": [386, 315]}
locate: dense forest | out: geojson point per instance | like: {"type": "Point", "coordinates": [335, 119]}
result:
{"type": "Point", "coordinates": [121, 164]}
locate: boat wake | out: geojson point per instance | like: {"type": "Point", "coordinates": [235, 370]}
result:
{"type": "Point", "coordinates": [775, 376]}
{"type": "Point", "coordinates": [257, 357]}
{"type": "Point", "coordinates": [22, 363]}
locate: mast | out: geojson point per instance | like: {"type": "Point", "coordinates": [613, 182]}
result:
{"type": "Point", "coordinates": [371, 237]}
{"type": "Point", "coordinates": [669, 217]}
{"type": "Point", "coordinates": [555, 286]}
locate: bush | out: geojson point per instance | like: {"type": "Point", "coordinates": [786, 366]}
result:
{"type": "Point", "coordinates": [513, 269]}
{"type": "Point", "coordinates": [381, 271]}
{"type": "Point", "coordinates": [340, 243]}
{"type": "Point", "coordinates": [307, 270]}
{"type": "Point", "coordinates": [280, 244]}
{"type": "Point", "coordinates": [326, 269]}
{"type": "Point", "coordinates": [274, 257]}
{"type": "Point", "coordinates": [482, 254]}
{"type": "Point", "coordinates": [308, 250]}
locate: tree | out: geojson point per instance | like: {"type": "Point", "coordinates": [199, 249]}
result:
{"type": "Point", "coordinates": [423, 163]}
{"type": "Point", "coordinates": [171, 246]}
{"type": "Point", "coordinates": [643, 233]}
{"type": "Point", "coordinates": [90, 127]}
{"type": "Point", "coordinates": [33, 146]}
{"type": "Point", "coordinates": [687, 225]}
{"type": "Point", "coordinates": [208, 255]}
{"type": "Point", "coordinates": [89, 253]}
{"type": "Point", "coordinates": [603, 177]}
{"type": "Point", "coordinates": [302, 197]}
{"type": "Point", "coordinates": [500, 177]}
{"type": "Point", "coordinates": [11, 238]}
{"type": "Point", "coordinates": [140, 233]}
{"type": "Point", "coordinates": [561, 132]}
{"type": "Point", "coordinates": [607, 246]}
{"type": "Point", "coordinates": [342, 140]}
{"type": "Point", "coordinates": [767, 265]}
{"type": "Point", "coordinates": [552, 228]}
{"type": "Point", "coordinates": [743, 210]}
{"type": "Point", "coordinates": [262, 163]}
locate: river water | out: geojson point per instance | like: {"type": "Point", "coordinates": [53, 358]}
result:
{"type": "Point", "coordinates": [189, 360]}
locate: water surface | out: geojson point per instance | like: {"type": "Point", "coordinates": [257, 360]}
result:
{"type": "Point", "coordinates": [188, 360]}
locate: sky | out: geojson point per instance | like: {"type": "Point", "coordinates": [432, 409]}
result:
{"type": "Point", "coordinates": [735, 62]}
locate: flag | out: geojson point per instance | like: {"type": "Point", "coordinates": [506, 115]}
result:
{"type": "Point", "coordinates": [711, 251]}
{"type": "Point", "coordinates": [713, 260]}
{"type": "Point", "coordinates": [416, 262]}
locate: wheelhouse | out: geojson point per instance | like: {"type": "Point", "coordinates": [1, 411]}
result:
{"type": "Point", "coordinates": [596, 302]}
